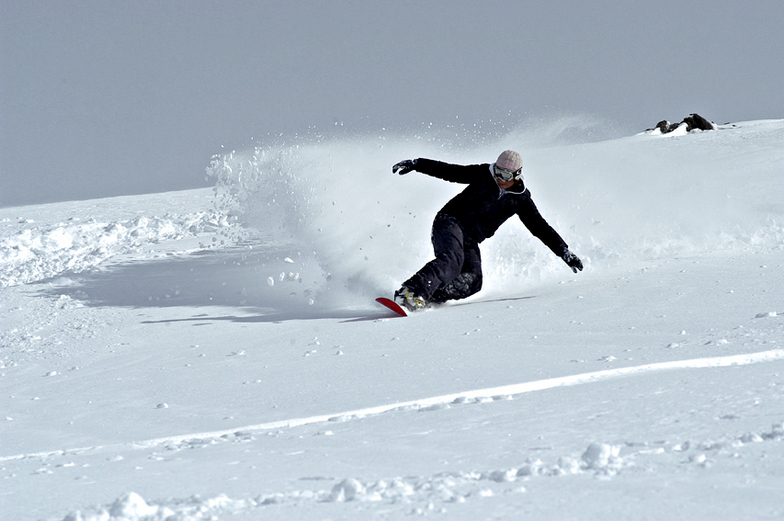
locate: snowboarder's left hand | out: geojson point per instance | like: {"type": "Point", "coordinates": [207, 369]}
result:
{"type": "Point", "coordinates": [404, 167]}
{"type": "Point", "coordinates": [572, 260]}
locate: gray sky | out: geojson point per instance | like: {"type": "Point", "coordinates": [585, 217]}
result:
{"type": "Point", "coordinates": [104, 98]}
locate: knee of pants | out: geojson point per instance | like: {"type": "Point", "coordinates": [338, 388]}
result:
{"type": "Point", "coordinates": [451, 264]}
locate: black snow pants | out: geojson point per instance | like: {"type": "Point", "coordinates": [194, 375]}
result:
{"type": "Point", "coordinates": [456, 272]}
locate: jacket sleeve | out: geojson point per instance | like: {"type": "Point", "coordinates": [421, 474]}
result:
{"type": "Point", "coordinates": [463, 174]}
{"type": "Point", "coordinates": [540, 229]}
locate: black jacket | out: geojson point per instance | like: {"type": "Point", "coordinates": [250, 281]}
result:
{"type": "Point", "coordinates": [483, 206]}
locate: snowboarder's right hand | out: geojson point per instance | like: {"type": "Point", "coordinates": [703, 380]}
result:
{"type": "Point", "coordinates": [404, 167]}
{"type": "Point", "coordinates": [572, 260]}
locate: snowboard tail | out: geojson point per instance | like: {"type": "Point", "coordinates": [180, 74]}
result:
{"type": "Point", "coordinates": [390, 304]}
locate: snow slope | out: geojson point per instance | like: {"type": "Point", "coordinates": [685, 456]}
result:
{"type": "Point", "coordinates": [216, 354]}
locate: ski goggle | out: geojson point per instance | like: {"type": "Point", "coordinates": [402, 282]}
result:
{"type": "Point", "coordinates": [504, 174]}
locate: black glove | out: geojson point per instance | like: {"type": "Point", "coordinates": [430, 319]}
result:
{"type": "Point", "coordinates": [404, 167]}
{"type": "Point", "coordinates": [572, 260]}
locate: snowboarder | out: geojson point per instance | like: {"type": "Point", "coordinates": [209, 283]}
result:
{"type": "Point", "coordinates": [494, 193]}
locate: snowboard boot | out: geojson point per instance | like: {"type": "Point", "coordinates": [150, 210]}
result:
{"type": "Point", "coordinates": [406, 298]}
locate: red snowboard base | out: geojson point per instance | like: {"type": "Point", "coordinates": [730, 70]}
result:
{"type": "Point", "coordinates": [392, 305]}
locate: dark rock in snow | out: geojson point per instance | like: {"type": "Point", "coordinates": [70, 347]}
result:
{"type": "Point", "coordinates": [692, 122]}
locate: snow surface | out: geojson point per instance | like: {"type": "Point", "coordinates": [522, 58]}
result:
{"type": "Point", "coordinates": [217, 354]}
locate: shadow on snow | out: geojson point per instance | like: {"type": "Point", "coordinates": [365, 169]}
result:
{"type": "Point", "coordinates": [261, 283]}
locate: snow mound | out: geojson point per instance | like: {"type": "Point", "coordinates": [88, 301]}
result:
{"type": "Point", "coordinates": [133, 507]}
{"type": "Point", "coordinates": [38, 252]}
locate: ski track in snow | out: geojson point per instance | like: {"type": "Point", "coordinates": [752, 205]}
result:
{"type": "Point", "coordinates": [435, 402]}
{"type": "Point", "coordinates": [432, 494]}
{"type": "Point", "coordinates": [420, 494]}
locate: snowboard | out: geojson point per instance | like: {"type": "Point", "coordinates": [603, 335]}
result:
{"type": "Point", "coordinates": [390, 304]}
